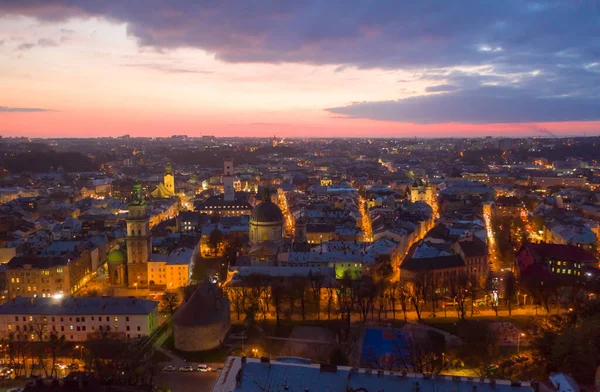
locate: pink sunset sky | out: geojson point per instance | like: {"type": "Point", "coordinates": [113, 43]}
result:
{"type": "Point", "coordinates": [92, 76]}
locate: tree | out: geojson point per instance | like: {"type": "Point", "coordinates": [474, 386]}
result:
{"type": "Point", "coordinates": [214, 240]}
{"type": "Point", "coordinates": [491, 289]}
{"type": "Point", "coordinates": [235, 294]}
{"type": "Point", "coordinates": [366, 295]}
{"type": "Point", "coordinates": [330, 300]}
{"type": "Point", "coordinates": [316, 283]}
{"type": "Point", "coordinates": [170, 301]}
{"type": "Point", "coordinates": [510, 290]}
{"type": "Point", "coordinates": [347, 296]}
{"type": "Point", "coordinates": [418, 290]}
{"type": "Point", "coordinates": [277, 295]}
{"type": "Point", "coordinates": [420, 352]}
{"type": "Point", "coordinates": [479, 348]}
{"type": "Point", "coordinates": [56, 344]}
{"type": "Point", "coordinates": [458, 285]}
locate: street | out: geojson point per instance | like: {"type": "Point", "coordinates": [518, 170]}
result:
{"type": "Point", "coordinates": [186, 382]}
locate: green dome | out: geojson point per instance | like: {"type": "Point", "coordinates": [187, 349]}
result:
{"type": "Point", "coordinates": [116, 256]}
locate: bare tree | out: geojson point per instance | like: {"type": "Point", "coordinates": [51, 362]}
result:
{"type": "Point", "coordinates": [277, 295]}
{"type": "Point", "coordinates": [418, 290]}
{"type": "Point", "coordinates": [458, 285]}
{"type": "Point", "coordinates": [235, 294]}
{"type": "Point", "coordinates": [316, 284]}
{"type": "Point", "coordinates": [170, 301]}
{"type": "Point", "coordinates": [510, 290]}
{"type": "Point", "coordinates": [330, 300]}
{"type": "Point", "coordinates": [433, 285]}
{"type": "Point", "coordinates": [491, 289]}
{"type": "Point", "coordinates": [347, 296]}
{"type": "Point", "coordinates": [366, 295]}
{"type": "Point", "coordinates": [420, 352]}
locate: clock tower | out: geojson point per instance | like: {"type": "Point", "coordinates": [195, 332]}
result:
{"type": "Point", "coordinates": [139, 246]}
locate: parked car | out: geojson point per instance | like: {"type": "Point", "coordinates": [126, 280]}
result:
{"type": "Point", "coordinates": [72, 366]}
{"type": "Point", "coordinates": [204, 368]}
{"type": "Point", "coordinates": [186, 368]}
{"type": "Point", "coordinates": [169, 368]}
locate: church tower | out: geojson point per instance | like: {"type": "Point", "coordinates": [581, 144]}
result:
{"type": "Point", "coordinates": [228, 190]}
{"type": "Point", "coordinates": [139, 245]}
{"type": "Point", "coordinates": [169, 179]}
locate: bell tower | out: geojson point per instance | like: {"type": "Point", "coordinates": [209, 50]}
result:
{"type": "Point", "coordinates": [138, 240]}
{"type": "Point", "coordinates": [228, 190]}
{"type": "Point", "coordinates": [169, 179]}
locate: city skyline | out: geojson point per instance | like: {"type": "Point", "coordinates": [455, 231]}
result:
{"type": "Point", "coordinates": [319, 69]}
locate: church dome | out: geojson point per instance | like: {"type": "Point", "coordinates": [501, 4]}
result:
{"type": "Point", "coordinates": [267, 212]}
{"type": "Point", "coordinates": [116, 256]}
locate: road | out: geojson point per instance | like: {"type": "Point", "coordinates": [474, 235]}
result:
{"type": "Point", "coordinates": [185, 382]}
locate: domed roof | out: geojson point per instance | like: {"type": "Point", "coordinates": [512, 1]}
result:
{"type": "Point", "coordinates": [206, 306]}
{"type": "Point", "coordinates": [116, 256]}
{"type": "Point", "coordinates": [267, 212]}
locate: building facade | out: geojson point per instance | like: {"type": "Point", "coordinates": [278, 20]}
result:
{"type": "Point", "coordinates": [78, 319]}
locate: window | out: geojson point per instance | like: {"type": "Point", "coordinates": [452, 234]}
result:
{"type": "Point", "coordinates": [76, 319]}
{"type": "Point", "coordinates": [92, 318]}
{"type": "Point", "coordinates": [52, 318]}
{"type": "Point", "coordinates": [17, 327]}
{"type": "Point", "coordinates": [78, 328]}
{"type": "Point", "coordinates": [30, 318]}
{"type": "Point", "coordinates": [127, 318]}
{"type": "Point", "coordinates": [116, 319]}
{"type": "Point", "coordinates": [127, 328]}
{"type": "Point", "coordinates": [9, 327]}
{"type": "Point", "coordinates": [71, 327]}
{"type": "Point", "coordinates": [62, 328]}
{"type": "Point", "coordinates": [139, 329]}
{"type": "Point", "coordinates": [83, 328]}
{"type": "Point", "coordinates": [16, 318]}
{"type": "Point", "coordinates": [107, 318]}
{"type": "Point", "coordinates": [83, 319]}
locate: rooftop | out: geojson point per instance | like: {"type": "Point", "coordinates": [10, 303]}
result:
{"type": "Point", "coordinates": [78, 306]}
{"type": "Point", "coordinates": [294, 375]}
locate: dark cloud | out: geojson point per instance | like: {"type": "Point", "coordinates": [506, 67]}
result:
{"type": "Point", "coordinates": [535, 52]}
{"type": "Point", "coordinates": [168, 68]}
{"type": "Point", "coordinates": [485, 105]}
{"type": "Point", "coordinates": [441, 88]}
{"type": "Point", "coordinates": [46, 42]}
{"type": "Point", "coordinates": [6, 109]}
{"type": "Point", "coordinates": [26, 46]}
{"type": "Point", "coordinates": [42, 42]}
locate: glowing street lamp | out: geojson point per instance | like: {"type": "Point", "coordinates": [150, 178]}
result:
{"type": "Point", "coordinates": [519, 342]}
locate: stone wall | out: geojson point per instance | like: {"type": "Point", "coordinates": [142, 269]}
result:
{"type": "Point", "coordinates": [201, 338]}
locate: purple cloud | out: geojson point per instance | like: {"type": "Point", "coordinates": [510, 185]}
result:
{"type": "Point", "coordinates": [538, 56]}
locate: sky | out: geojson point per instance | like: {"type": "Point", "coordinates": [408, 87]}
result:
{"type": "Point", "coordinates": [301, 68]}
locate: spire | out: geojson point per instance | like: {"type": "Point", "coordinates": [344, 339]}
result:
{"type": "Point", "coordinates": [137, 200]}
{"type": "Point", "coordinates": [168, 169]}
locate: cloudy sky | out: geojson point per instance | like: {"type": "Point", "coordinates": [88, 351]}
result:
{"type": "Point", "coordinates": [299, 68]}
